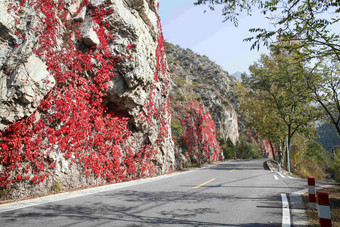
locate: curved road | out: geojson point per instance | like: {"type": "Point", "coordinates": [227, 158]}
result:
{"type": "Point", "coordinates": [233, 193]}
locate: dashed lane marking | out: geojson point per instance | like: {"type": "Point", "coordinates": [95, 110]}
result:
{"type": "Point", "coordinates": [276, 178]}
{"type": "Point", "coordinates": [205, 183]}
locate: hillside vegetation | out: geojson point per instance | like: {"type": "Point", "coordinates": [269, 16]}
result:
{"type": "Point", "coordinates": [199, 81]}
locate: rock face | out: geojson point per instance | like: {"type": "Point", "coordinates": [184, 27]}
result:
{"type": "Point", "coordinates": [23, 89]}
{"type": "Point", "coordinates": [84, 94]}
{"type": "Point", "coordinates": [198, 78]}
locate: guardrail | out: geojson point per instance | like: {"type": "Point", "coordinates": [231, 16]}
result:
{"type": "Point", "coordinates": [277, 164]}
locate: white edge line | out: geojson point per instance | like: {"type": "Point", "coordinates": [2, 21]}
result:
{"type": "Point", "coordinates": [281, 175]}
{"type": "Point", "coordinates": [285, 211]}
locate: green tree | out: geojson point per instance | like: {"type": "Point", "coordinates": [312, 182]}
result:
{"type": "Point", "coordinates": [316, 152]}
{"type": "Point", "coordinates": [277, 81]}
{"type": "Point", "coordinates": [305, 26]}
{"type": "Point", "coordinates": [323, 82]}
{"type": "Point", "coordinates": [303, 22]}
{"type": "Point", "coordinates": [261, 116]}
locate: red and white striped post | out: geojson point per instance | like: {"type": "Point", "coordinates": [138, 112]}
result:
{"type": "Point", "coordinates": [311, 190]}
{"type": "Point", "coordinates": [324, 210]}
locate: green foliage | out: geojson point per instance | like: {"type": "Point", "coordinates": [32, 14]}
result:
{"type": "Point", "coordinates": [328, 136]}
{"type": "Point", "coordinates": [336, 165]}
{"type": "Point", "coordinates": [180, 81]}
{"type": "Point", "coordinates": [310, 158]}
{"type": "Point", "coordinates": [170, 58]}
{"type": "Point", "coordinates": [276, 93]}
{"type": "Point", "coordinates": [168, 45]}
{"type": "Point", "coordinates": [316, 152]}
{"type": "Point", "coordinates": [302, 22]}
{"type": "Point", "coordinates": [304, 29]}
{"type": "Point", "coordinates": [177, 130]}
{"type": "Point", "coordinates": [323, 82]}
{"type": "Point", "coordinates": [228, 148]}
{"type": "Point", "coordinates": [248, 150]}
{"type": "Point", "coordinates": [243, 149]}
{"type": "Point", "coordinates": [187, 165]}
{"type": "Point", "coordinates": [56, 186]}
{"type": "Point", "coordinates": [308, 167]}
{"type": "Point", "coordinates": [177, 155]}
{"type": "Point", "coordinates": [4, 192]}
{"type": "Point", "coordinates": [179, 97]}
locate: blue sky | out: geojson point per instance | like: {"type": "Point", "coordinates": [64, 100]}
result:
{"type": "Point", "coordinates": [188, 26]}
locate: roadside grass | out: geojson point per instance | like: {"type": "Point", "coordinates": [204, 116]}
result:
{"type": "Point", "coordinates": [334, 200]}
{"type": "Point", "coordinates": [307, 167]}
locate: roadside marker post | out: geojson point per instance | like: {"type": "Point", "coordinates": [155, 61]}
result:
{"type": "Point", "coordinates": [324, 210]}
{"type": "Point", "coordinates": [311, 192]}
{"type": "Point", "coordinates": [279, 166]}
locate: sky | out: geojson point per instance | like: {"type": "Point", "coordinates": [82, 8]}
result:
{"type": "Point", "coordinates": [189, 27]}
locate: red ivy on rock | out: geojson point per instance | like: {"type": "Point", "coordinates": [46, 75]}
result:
{"type": "Point", "coordinates": [73, 119]}
{"type": "Point", "coordinates": [199, 140]}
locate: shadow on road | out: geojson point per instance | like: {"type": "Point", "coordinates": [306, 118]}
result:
{"type": "Point", "coordinates": [134, 208]}
{"type": "Point", "coordinates": [150, 208]}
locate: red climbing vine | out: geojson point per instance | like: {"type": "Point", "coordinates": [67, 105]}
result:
{"type": "Point", "coordinates": [75, 121]}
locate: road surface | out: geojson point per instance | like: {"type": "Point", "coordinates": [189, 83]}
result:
{"type": "Point", "coordinates": [233, 193]}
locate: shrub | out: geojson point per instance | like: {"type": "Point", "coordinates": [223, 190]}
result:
{"type": "Point", "coordinates": [4, 192]}
{"type": "Point", "coordinates": [248, 150]}
{"type": "Point", "coordinates": [308, 167]}
{"type": "Point", "coordinates": [228, 148]}
{"type": "Point", "coordinates": [56, 186]}
{"type": "Point", "coordinates": [179, 81]}
{"type": "Point", "coordinates": [177, 130]}
{"type": "Point", "coordinates": [187, 165]}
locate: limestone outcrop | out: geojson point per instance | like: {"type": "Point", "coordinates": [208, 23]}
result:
{"type": "Point", "coordinates": [84, 94]}
{"type": "Point", "coordinates": [197, 78]}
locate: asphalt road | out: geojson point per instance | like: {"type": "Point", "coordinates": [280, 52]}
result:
{"type": "Point", "coordinates": [234, 193]}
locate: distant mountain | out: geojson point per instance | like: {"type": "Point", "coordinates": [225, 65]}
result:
{"type": "Point", "coordinates": [328, 136]}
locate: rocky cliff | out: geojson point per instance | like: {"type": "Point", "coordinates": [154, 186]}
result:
{"type": "Point", "coordinates": [197, 78]}
{"type": "Point", "coordinates": [84, 94]}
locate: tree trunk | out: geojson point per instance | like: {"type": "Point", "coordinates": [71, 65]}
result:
{"type": "Point", "coordinates": [337, 126]}
{"type": "Point", "coordinates": [273, 151]}
{"type": "Point", "coordinates": [287, 146]}
{"type": "Point", "coordinates": [280, 152]}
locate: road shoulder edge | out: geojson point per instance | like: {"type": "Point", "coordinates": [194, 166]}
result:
{"type": "Point", "coordinates": [5, 207]}
{"type": "Point", "coordinates": [297, 207]}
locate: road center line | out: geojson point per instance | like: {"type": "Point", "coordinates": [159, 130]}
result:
{"type": "Point", "coordinates": [276, 178]}
{"type": "Point", "coordinates": [231, 170]}
{"type": "Point", "coordinates": [205, 183]}
{"type": "Point", "coordinates": [285, 211]}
